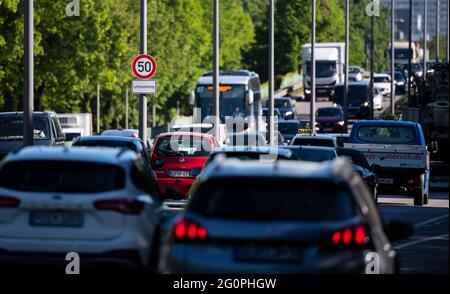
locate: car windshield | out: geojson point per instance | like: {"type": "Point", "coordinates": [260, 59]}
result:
{"type": "Point", "coordinates": [183, 145]}
{"type": "Point", "coordinates": [282, 103]}
{"type": "Point", "coordinates": [105, 143]}
{"type": "Point", "coordinates": [232, 100]}
{"type": "Point", "coordinates": [313, 142]}
{"type": "Point", "coordinates": [203, 130]}
{"type": "Point", "coordinates": [387, 134]}
{"type": "Point", "coordinates": [355, 93]}
{"type": "Point", "coordinates": [273, 199]}
{"type": "Point", "coordinates": [11, 128]}
{"type": "Point", "coordinates": [334, 112]}
{"type": "Point", "coordinates": [324, 69]}
{"type": "Point", "coordinates": [249, 155]}
{"type": "Point", "coordinates": [353, 70]}
{"type": "Point", "coordinates": [381, 80]}
{"type": "Point", "coordinates": [288, 128]}
{"type": "Point", "coordinates": [314, 155]}
{"type": "Point", "coordinates": [265, 112]}
{"type": "Point", "coordinates": [61, 176]}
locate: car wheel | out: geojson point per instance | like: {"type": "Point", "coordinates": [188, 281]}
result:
{"type": "Point", "coordinates": [152, 266]}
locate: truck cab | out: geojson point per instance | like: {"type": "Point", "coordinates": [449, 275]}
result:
{"type": "Point", "coordinates": [397, 153]}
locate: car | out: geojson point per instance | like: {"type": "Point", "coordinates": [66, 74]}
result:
{"type": "Point", "coordinates": [355, 74]}
{"type": "Point", "coordinates": [132, 143]}
{"type": "Point", "coordinates": [377, 99]}
{"type": "Point", "coordinates": [314, 140]}
{"type": "Point", "coordinates": [205, 128]}
{"type": "Point", "coordinates": [285, 106]}
{"type": "Point", "coordinates": [400, 82]}
{"type": "Point", "coordinates": [289, 128]}
{"type": "Point", "coordinates": [252, 153]}
{"type": "Point", "coordinates": [398, 153]}
{"type": "Point", "coordinates": [361, 165]}
{"type": "Point", "coordinates": [47, 131]}
{"type": "Point", "coordinates": [121, 133]}
{"type": "Point", "coordinates": [283, 217]}
{"type": "Point", "coordinates": [311, 153]}
{"type": "Point", "coordinates": [98, 202]}
{"type": "Point", "coordinates": [383, 83]}
{"type": "Point", "coordinates": [330, 119]}
{"type": "Point", "coordinates": [177, 158]}
{"type": "Point", "coordinates": [276, 111]}
{"type": "Point", "coordinates": [341, 138]}
{"type": "Point", "coordinates": [358, 99]}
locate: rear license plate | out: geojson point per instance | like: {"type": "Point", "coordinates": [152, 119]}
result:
{"type": "Point", "coordinates": [385, 181]}
{"type": "Point", "coordinates": [321, 91]}
{"type": "Point", "coordinates": [179, 173]}
{"type": "Point", "coordinates": [56, 219]}
{"type": "Point", "coordinates": [269, 253]}
{"type": "Point", "coordinates": [327, 129]}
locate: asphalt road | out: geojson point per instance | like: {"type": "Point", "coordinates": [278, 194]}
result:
{"type": "Point", "coordinates": [426, 251]}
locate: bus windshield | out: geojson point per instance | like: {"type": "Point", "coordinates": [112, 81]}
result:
{"type": "Point", "coordinates": [232, 100]}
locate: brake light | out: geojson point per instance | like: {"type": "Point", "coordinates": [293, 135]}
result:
{"type": "Point", "coordinates": [9, 202]}
{"type": "Point", "coordinates": [124, 206]}
{"type": "Point", "coordinates": [350, 236]}
{"type": "Point", "coordinates": [189, 231]}
{"type": "Point", "coordinates": [414, 181]}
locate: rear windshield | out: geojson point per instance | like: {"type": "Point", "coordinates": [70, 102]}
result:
{"type": "Point", "coordinates": [387, 134]}
{"type": "Point", "coordinates": [313, 142]}
{"type": "Point", "coordinates": [184, 145]}
{"type": "Point", "coordinates": [288, 128]}
{"type": "Point", "coordinates": [268, 199]}
{"type": "Point", "coordinates": [112, 144]}
{"type": "Point", "coordinates": [333, 112]}
{"type": "Point", "coordinates": [314, 155]}
{"type": "Point", "coordinates": [61, 176]}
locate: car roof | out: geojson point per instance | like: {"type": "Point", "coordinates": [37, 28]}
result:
{"type": "Point", "coordinates": [232, 168]}
{"type": "Point", "coordinates": [193, 134]}
{"type": "Point", "coordinates": [37, 114]}
{"type": "Point", "coordinates": [289, 121]}
{"type": "Point", "coordinates": [379, 75]}
{"type": "Point", "coordinates": [312, 148]}
{"type": "Point", "coordinates": [99, 155]}
{"type": "Point", "coordinates": [314, 136]}
{"type": "Point", "coordinates": [355, 84]}
{"type": "Point", "coordinates": [386, 123]}
{"type": "Point", "coordinates": [253, 150]}
{"type": "Point", "coordinates": [107, 139]}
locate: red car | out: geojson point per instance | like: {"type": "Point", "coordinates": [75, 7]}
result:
{"type": "Point", "coordinates": [177, 158]}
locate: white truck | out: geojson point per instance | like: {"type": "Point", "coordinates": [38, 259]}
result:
{"type": "Point", "coordinates": [76, 124]}
{"type": "Point", "coordinates": [401, 53]}
{"type": "Point", "coordinates": [330, 61]}
{"type": "Point", "coordinates": [397, 153]}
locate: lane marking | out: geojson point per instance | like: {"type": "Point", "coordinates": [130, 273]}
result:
{"type": "Point", "coordinates": [415, 242]}
{"type": "Point", "coordinates": [431, 220]}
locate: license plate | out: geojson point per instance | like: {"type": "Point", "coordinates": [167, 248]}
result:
{"type": "Point", "coordinates": [321, 91]}
{"type": "Point", "coordinates": [385, 181]}
{"type": "Point", "coordinates": [327, 129]}
{"type": "Point", "coordinates": [269, 253]}
{"type": "Point", "coordinates": [179, 174]}
{"type": "Point", "coordinates": [56, 219]}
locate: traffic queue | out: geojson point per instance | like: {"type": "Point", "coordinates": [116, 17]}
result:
{"type": "Point", "coordinates": [194, 204]}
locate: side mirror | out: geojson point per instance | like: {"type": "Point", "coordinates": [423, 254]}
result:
{"type": "Point", "coordinates": [434, 147]}
{"type": "Point", "coordinates": [397, 229]}
{"type": "Point", "coordinates": [250, 97]}
{"type": "Point", "coordinates": [192, 98]}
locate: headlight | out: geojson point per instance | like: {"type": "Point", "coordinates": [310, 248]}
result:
{"type": "Point", "coordinates": [307, 91]}
{"type": "Point", "coordinates": [341, 123]}
{"type": "Point", "coordinates": [288, 113]}
{"type": "Point", "coordinates": [366, 104]}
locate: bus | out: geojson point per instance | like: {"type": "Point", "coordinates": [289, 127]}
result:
{"type": "Point", "coordinates": [240, 98]}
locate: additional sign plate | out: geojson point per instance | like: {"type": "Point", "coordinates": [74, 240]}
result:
{"type": "Point", "coordinates": [144, 67]}
{"type": "Point", "coordinates": [144, 87]}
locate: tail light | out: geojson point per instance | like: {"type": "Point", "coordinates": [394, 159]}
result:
{"type": "Point", "coordinates": [9, 202]}
{"type": "Point", "coordinates": [414, 181]}
{"type": "Point", "coordinates": [350, 236]}
{"type": "Point", "coordinates": [124, 206]}
{"type": "Point", "coordinates": [185, 230]}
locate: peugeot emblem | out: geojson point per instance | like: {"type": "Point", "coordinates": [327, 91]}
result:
{"type": "Point", "coordinates": [181, 160]}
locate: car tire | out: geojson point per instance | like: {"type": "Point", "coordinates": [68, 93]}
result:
{"type": "Point", "coordinates": [153, 261]}
{"type": "Point", "coordinates": [419, 193]}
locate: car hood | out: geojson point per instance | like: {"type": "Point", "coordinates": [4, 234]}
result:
{"type": "Point", "coordinates": [285, 109]}
{"type": "Point", "coordinates": [328, 119]}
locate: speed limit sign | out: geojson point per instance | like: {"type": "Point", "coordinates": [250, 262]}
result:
{"type": "Point", "coordinates": [144, 66]}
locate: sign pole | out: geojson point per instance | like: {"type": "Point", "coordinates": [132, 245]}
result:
{"type": "Point", "coordinates": [372, 49]}
{"type": "Point", "coordinates": [98, 109]}
{"type": "Point", "coordinates": [28, 97]}
{"type": "Point", "coordinates": [392, 57]}
{"type": "Point", "coordinates": [143, 49]}
{"type": "Point", "coordinates": [410, 53]}
{"type": "Point", "coordinates": [126, 107]}
{"type": "Point", "coordinates": [437, 30]}
{"type": "Point", "coordinates": [313, 69]}
{"type": "Point", "coordinates": [216, 56]}
{"type": "Point", "coordinates": [271, 74]}
{"type": "Point", "coordinates": [425, 19]}
{"type": "Point", "coordinates": [347, 13]}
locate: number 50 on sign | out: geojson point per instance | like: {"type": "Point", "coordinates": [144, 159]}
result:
{"type": "Point", "coordinates": [144, 67]}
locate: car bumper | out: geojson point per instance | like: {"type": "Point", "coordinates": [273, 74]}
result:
{"type": "Point", "coordinates": [182, 185]}
{"type": "Point", "coordinates": [358, 112]}
{"type": "Point", "coordinates": [197, 259]}
{"type": "Point", "coordinates": [331, 129]}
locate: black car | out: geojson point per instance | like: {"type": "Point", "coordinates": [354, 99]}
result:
{"type": "Point", "coordinates": [312, 153]}
{"type": "Point", "coordinates": [400, 82]}
{"type": "Point", "coordinates": [358, 99]}
{"type": "Point", "coordinates": [289, 128]}
{"type": "Point", "coordinates": [134, 144]}
{"type": "Point", "coordinates": [285, 106]}
{"type": "Point", "coordinates": [362, 167]}
{"type": "Point", "coordinates": [47, 131]}
{"type": "Point", "coordinates": [276, 112]}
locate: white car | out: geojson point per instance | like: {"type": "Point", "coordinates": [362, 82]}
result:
{"type": "Point", "coordinates": [377, 99]}
{"type": "Point", "coordinates": [96, 202]}
{"type": "Point", "coordinates": [383, 83]}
